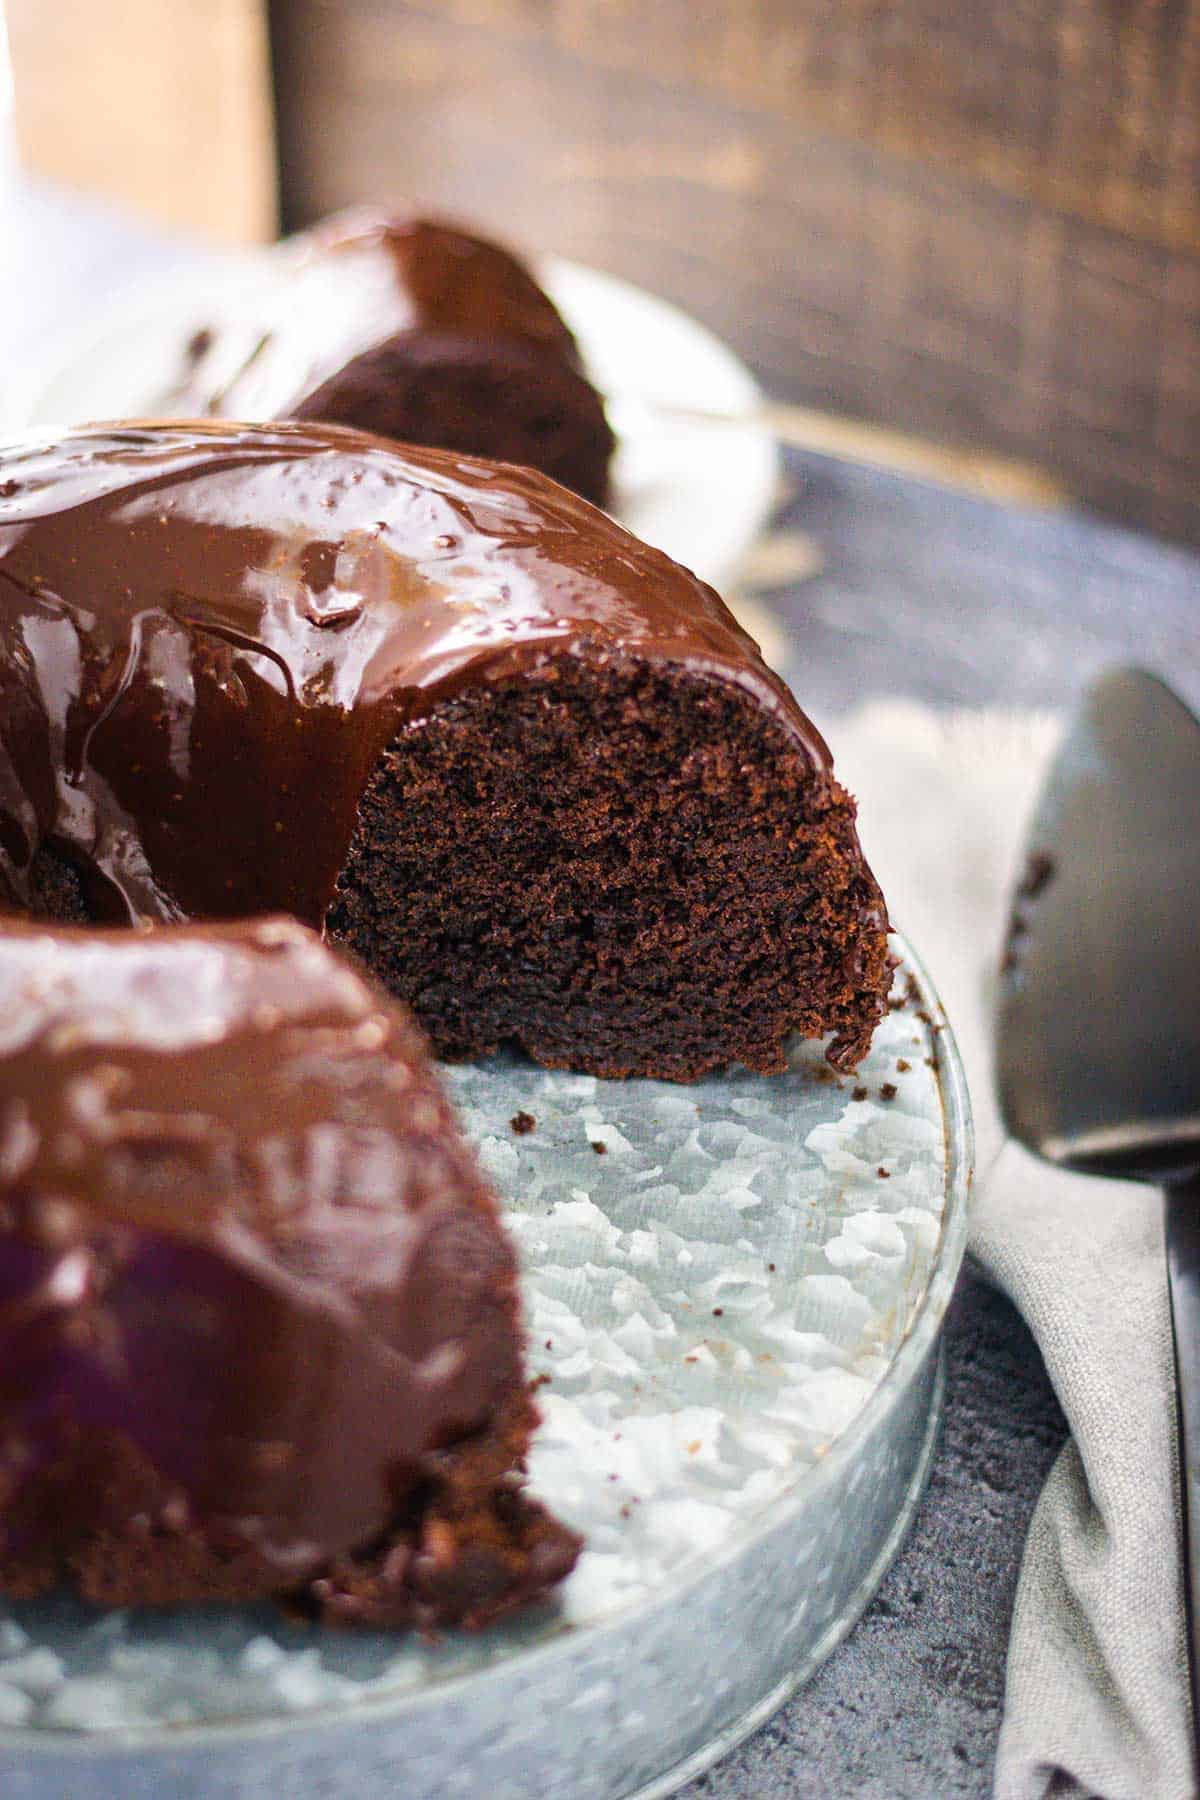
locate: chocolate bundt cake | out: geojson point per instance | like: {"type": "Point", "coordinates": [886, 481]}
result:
{"type": "Point", "coordinates": [415, 330]}
{"type": "Point", "coordinates": [528, 768]}
{"type": "Point", "coordinates": [258, 1317]}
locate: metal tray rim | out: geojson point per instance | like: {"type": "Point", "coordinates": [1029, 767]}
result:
{"type": "Point", "coordinates": [728, 1739]}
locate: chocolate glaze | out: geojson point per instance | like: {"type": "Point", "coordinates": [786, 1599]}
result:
{"type": "Point", "coordinates": [363, 281]}
{"type": "Point", "coordinates": [210, 633]}
{"type": "Point", "coordinates": [240, 1229]}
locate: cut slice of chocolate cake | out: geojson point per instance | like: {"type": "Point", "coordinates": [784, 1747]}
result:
{"type": "Point", "coordinates": [412, 328]}
{"type": "Point", "coordinates": [259, 1327]}
{"type": "Point", "coordinates": [529, 768]}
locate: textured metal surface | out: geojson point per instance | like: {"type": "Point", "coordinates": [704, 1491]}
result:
{"type": "Point", "coordinates": [737, 1305]}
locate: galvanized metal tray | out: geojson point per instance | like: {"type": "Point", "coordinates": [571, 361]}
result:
{"type": "Point", "coordinates": [736, 1292]}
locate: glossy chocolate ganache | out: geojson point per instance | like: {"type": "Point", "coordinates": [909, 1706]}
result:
{"type": "Point", "coordinates": [528, 767]}
{"type": "Point", "coordinates": [258, 1318]}
{"type": "Point", "coordinates": [412, 328]}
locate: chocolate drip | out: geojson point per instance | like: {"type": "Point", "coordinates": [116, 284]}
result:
{"type": "Point", "coordinates": [210, 633]}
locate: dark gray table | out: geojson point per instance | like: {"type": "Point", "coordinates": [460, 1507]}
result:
{"type": "Point", "coordinates": [953, 601]}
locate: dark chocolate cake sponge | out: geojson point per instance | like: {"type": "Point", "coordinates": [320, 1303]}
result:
{"type": "Point", "coordinates": [259, 1325]}
{"type": "Point", "coordinates": [416, 330]}
{"type": "Point", "coordinates": [529, 768]}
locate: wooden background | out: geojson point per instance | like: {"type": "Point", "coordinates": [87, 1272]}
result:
{"type": "Point", "coordinates": [975, 219]}
{"type": "Point", "coordinates": [162, 105]}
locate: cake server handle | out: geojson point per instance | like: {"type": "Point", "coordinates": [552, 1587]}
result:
{"type": "Point", "coordinates": [1183, 1276]}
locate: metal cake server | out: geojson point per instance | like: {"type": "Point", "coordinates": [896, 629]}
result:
{"type": "Point", "coordinates": [1098, 1030]}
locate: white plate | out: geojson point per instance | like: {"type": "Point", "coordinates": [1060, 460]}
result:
{"type": "Point", "coordinates": [698, 489]}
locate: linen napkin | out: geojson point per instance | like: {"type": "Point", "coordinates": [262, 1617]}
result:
{"type": "Point", "coordinates": [1096, 1692]}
